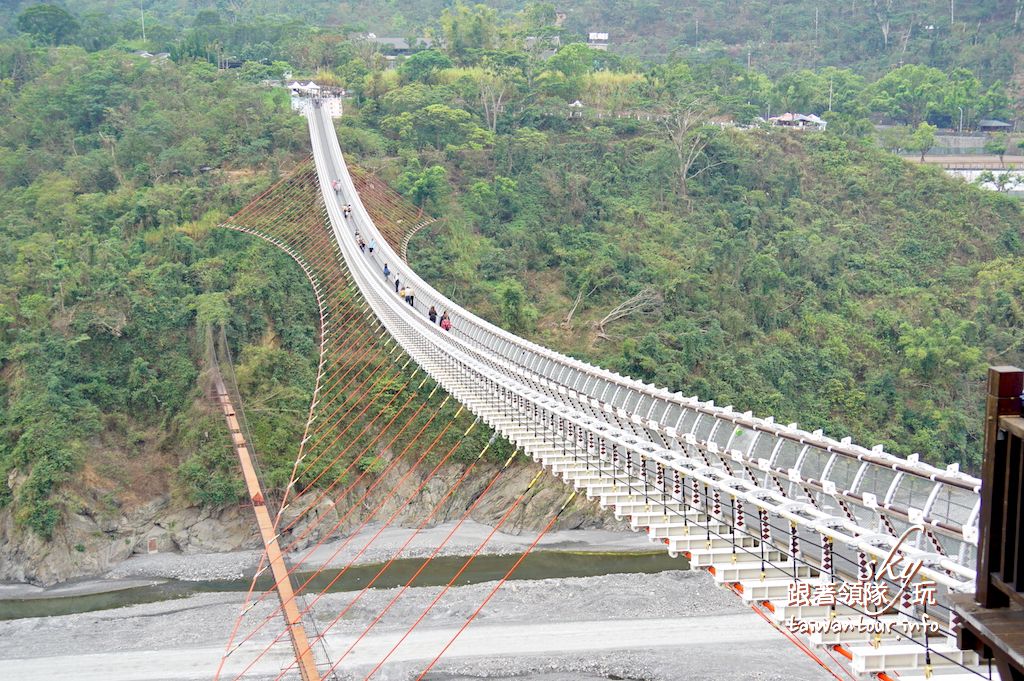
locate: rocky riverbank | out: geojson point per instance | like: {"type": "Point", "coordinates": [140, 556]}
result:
{"type": "Point", "coordinates": [91, 544]}
{"type": "Point", "coordinates": [660, 627]}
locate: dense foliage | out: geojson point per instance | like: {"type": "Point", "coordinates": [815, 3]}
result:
{"type": "Point", "coordinates": [106, 250]}
{"type": "Point", "coordinates": [777, 36]}
{"type": "Point", "coordinates": [811, 276]}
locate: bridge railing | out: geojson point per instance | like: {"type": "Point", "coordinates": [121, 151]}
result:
{"type": "Point", "coordinates": [858, 497]}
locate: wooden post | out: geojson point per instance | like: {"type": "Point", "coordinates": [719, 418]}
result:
{"type": "Point", "coordinates": [285, 591]}
{"type": "Point", "coordinates": [1005, 385]}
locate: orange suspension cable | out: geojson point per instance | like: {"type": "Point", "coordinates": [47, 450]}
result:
{"type": "Point", "coordinates": [465, 566]}
{"type": "Point", "coordinates": [323, 633]}
{"type": "Point", "coordinates": [423, 566]}
{"type": "Point", "coordinates": [341, 520]}
{"type": "Point", "coordinates": [501, 582]}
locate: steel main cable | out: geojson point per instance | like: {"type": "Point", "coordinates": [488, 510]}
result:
{"type": "Point", "coordinates": [384, 369]}
{"type": "Point", "coordinates": [298, 238]}
{"type": "Point", "coordinates": [359, 358]}
{"type": "Point", "coordinates": [325, 253]}
{"type": "Point", "coordinates": [353, 355]}
{"type": "Point", "coordinates": [321, 635]}
{"type": "Point", "coordinates": [374, 379]}
{"type": "Point", "coordinates": [501, 582]}
{"type": "Point", "coordinates": [370, 377]}
{"type": "Point", "coordinates": [358, 342]}
{"type": "Point", "coordinates": [370, 350]}
{"type": "Point", "coordinates": [437, 550]}
{"type": "Point", "coordinates": [365, 521]}
{"type": "Point", "coordinates": [463, 568]}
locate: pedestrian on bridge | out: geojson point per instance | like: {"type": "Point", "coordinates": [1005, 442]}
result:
{"type": "Point", "coordinates": [348, 210]}
{"type": "Point", "coordinates": [396, 283]}
{"type": "Point", "coordinates": [409, 298]}
{"type": "Point", "coordinates": [373, 245]}
{"type": "Point", "coordinates": [387, 272]}
{"type": "Point", "coordinates": [446, 323]}
{"type": "Point", "coordinates": [432, 314]}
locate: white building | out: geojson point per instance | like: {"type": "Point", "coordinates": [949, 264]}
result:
{"type": "Point", "coordinates": [310, 94]}
{"type": "Point", "coordinates": [597, 41]}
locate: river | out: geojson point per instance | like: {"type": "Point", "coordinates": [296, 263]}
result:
{"type": "Point", "coordinates": [537, 565]}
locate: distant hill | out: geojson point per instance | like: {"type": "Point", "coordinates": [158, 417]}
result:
{"type": "Point", "coordinates": [870, 36]}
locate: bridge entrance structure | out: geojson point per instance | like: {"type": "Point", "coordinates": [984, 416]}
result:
{"type": "Point", "coordinates": [776, 514]}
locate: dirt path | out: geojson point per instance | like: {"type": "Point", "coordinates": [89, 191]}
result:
{"type": "Point", "coordinates": [565, 639]}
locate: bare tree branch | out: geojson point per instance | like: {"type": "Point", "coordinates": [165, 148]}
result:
{"type": "Point", "coordinates": [645, 302]}
{"type": "Point", "coordinates": [689, 136]}
{"type": "Point", "coordinates": [579, 299]}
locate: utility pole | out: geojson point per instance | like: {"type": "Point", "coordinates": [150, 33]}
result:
{"type": "Point", "coordinates": [830, 78]}
{"type": "Point", "coordinates": [143, 10]}
{"type": "Point", "coordinates": [696, 32]}
{"type": "Point", "coordinates": [951, 12]}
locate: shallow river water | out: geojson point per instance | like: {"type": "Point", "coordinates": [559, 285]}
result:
{"type": "Point", "coordinates": [537, 565]}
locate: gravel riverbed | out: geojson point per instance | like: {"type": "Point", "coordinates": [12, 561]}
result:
{"type": "Point", "coordinates": [658, 627]}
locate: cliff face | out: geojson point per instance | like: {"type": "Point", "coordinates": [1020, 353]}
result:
{"type": "Point", "coordinates": [89, 543]}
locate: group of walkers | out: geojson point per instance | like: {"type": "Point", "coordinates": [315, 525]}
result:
{"type": "Point", "coordinates": [346, 210]}
{"type": "Point", "coordinates": [363, 245]}
{"type": "Point", "coordinates": [405, 291]}
{"type": "Point", "coordinates": [445, 322]}
{"type": "Point", "coordinates": [410, 297]}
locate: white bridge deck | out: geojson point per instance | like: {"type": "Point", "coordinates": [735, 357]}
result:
{"type": "Point", "coordinates": [757, 503]}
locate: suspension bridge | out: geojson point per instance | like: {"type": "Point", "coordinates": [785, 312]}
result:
{"type": "Point", "coordinates": [793, 522]}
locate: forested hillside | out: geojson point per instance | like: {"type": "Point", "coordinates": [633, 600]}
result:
{"type": "Point", "coordinates": [778, 35]}
{"type": "Point", "coordinates": [656, 227]}
{"type": "Point", "coordinates": [108, 260]}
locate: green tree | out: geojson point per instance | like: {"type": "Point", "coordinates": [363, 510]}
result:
{"type": "Point", "coordinates": [468, 28]}
{"type": "Point", "coordinates": [962, 92]}
{"type": "Point", "coordinates": [910, 92]}
{"type": "Point", "coordinates": [922, 139]}
{"type": "Point", "coordinates": [423, 66]}
{"type": "Point", "coordinates": [426, 188]}
{"type": "Point", "coordinates": [997, 144]}
{"type": "Point", "coordinates": [438, 125]}
{"type": "Point", "coordinates": [48, 24]}
{"type": "Point", "coordinates": [516, 313]}
{"type": "Point", "coordinates": [573, 60]}
{"type": "Point", "coordinates": [799, 91]}
{"type": "Point", "coordinates": [995, 103]}
{"type": "Point", "coordinates": [537, 15]}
